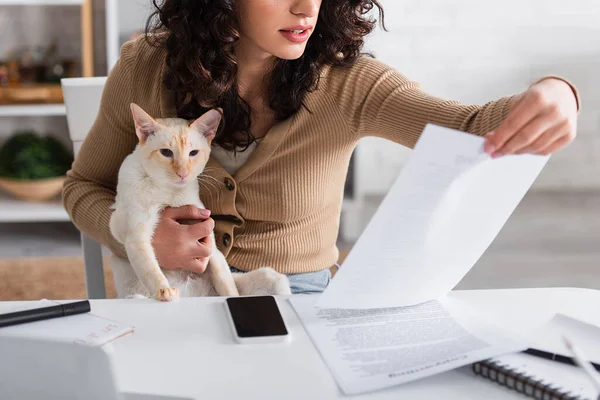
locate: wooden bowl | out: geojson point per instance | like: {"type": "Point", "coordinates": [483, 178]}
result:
{"type": "Point", "coordinates": [33, 190]}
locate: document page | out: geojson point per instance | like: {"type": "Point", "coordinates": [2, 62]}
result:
{"type": "Point", "coordinates": [370, 349]}
{"type": "Point", "coordinates": [444, 210]}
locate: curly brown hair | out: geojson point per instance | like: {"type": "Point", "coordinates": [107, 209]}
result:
{"type": "Point", "coordinates": [199, 37]}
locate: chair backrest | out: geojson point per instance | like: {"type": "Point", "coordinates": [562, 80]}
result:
{"type": "Point", "coordinates": [82, 100]}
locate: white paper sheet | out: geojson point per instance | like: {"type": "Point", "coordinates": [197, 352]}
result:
{"type": "Point", "coordinates": [370, 349]}
{"type": "Point", "coordinates": [84, 329]}
{"type": "Point", "coordinates": [444, 210]}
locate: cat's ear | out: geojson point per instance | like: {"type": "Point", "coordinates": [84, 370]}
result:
{"type": "Point", "coordinates": [145, 125]}
{"type": "Point", "coordinates": [208, 123]}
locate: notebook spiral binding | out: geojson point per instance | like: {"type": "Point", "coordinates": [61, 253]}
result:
{"type": "Point", "coordinates": [520, 382]}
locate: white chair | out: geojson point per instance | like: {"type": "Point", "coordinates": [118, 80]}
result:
{"type": "Point", "coordinates": [82, 100]}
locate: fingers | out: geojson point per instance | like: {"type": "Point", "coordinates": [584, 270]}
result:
{"type": "Point", "coordinates": [188, 212]}
{"type": "Point", "coordinates": [208, 242]}
{"type": "Point", "coordinates": [200, 239]}
{"type": "Point", "coordinates": [531, 132]}
{"type": "Point", "coordinates": [522, 112]}
{"type": "Point", "coordinates": [201, 229]}
{"type": "Point", "coordinates": [545, 139]}
{"type": "Point", "coordinates": [540, 121]}
{"type": "Point", "coordinates": [199, 255]}
{"type": "Point", "coordinates": [203, 250]}
{"type": "Point", "coordinates": [556, 145]}
{"type": "Point", "coordinates": [180, 246]}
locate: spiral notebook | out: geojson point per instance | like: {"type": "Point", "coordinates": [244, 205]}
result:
{"type": "Point", "coordinates": [537, 378]}
{"type": "Point", "coordinates": [543, 379]}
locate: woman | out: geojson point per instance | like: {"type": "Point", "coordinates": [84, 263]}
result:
{"type": "Point", "coordinates": [297, 96]}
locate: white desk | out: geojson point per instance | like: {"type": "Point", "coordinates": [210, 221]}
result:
{"type": "Point", "coordinates": [187, 349]}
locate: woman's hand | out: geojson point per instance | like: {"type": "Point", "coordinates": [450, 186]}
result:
{"type": "Point", "coordinates": [182, 238]}
{"type": "Point", "coordinates": [541, 121]}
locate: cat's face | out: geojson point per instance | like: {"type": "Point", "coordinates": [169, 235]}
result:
{"type": "Point", "coordinates": [174, 151]}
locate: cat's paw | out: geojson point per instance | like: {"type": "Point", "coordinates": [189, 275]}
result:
{"type": "Point", "coordinates": [167, 294]}
{"type": "Point", "coordinates": [278, 284]}
{"type": "Point", "coordinates": [263, 281]}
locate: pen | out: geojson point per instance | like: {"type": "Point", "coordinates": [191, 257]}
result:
{"type": "Point", "coordinates": [584, 363]}
{"type": "Point", "coordinates": [555, 357]}
{"type": "Point", "coordinates": [38, 314]}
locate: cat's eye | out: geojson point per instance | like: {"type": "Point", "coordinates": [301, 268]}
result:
{"type": "Point", "coordinates": [193, 153]}
{"type": "Point", "coordinates": [166, 152]}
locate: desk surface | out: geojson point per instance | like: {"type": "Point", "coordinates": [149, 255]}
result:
{"type": "Point", "coordinates": [187, 349]}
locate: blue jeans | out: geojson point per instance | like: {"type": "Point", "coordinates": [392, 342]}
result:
{"type": "Point", "coordinates": [308, 282]}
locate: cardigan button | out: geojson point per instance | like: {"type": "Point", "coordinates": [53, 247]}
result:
{"type": "Point", "coordinates": [226, 240]}
{"type": "Point", "coordinates": [228, 184]}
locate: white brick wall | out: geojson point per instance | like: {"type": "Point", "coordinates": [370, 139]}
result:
{"type": "Point", "coordinates": [478, 50]}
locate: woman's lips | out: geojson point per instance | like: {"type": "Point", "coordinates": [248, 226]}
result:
{"type": "Point", "coordinates": [297, 34]}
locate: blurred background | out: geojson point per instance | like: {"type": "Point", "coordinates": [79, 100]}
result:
{"type": "Point", "coordinates": [467, 50]}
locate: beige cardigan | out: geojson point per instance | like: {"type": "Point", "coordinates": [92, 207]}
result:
{"type": "Point", "coordinates": [283, 206]}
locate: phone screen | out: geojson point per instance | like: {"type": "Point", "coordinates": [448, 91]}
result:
{"type": "Point", "coordinates": [256, 316]}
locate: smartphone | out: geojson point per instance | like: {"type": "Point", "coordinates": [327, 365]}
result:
{"type": "Point", "coordinates": [256, 319]}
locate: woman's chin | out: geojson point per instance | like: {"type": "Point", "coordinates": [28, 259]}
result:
{"type": "Point", "coordinates": [291, 53]}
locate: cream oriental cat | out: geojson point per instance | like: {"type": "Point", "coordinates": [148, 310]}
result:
{"type": "Point", "coordinates": [163, 171]}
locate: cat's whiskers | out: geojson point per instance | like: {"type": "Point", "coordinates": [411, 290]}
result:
{"type": "Point", "coordinates": [204, 187]}
{"type": "Point", "coordinates": [206, 179]}
{"type": "Point", "coordinates": [215, 180]}
{"type": "Point", "coordinates": [210, 181]}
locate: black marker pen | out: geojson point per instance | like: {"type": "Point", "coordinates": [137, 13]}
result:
{"type": "Point", "coordinates": [555, 357]}
{"type": "Point", "coordinates": [38, 314]}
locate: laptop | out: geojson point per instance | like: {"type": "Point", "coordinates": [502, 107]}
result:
{"type": "Point", "coordinates": [32, 369]}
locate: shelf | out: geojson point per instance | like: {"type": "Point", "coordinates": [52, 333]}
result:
{"type": "Point", "coordinates": [41, 2]}
{"type": "Point", "coordinates": [14, 210]}
{"type": "Point", "coordinates": [32, 110]}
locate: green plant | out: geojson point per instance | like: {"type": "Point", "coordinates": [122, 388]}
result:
{"type": "Point", "coordinates": [26, 155]}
